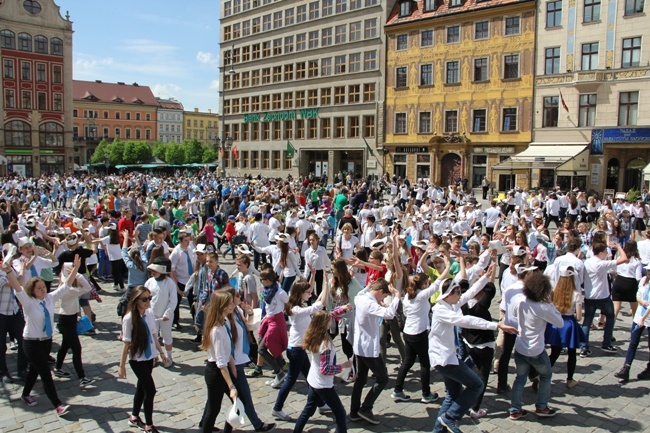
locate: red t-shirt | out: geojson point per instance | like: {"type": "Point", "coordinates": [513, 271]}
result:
{"type": "Point", "coordinates": [374, 274]}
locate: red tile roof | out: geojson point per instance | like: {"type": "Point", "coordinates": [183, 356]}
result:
{"type": "Point", "coordinates": [110, 92]}
{"type": "Point", "coordinates": [443, 9]}
{"type": "Point", "coordinates": [170, 104]}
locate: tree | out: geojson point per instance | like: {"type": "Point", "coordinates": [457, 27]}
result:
{"type": "Point", "coordinates": [143, 150]}
{"type": "Point", "coordinates": [175, 154]}
{"type": "Point", "coordinates": [159, 150]}
{"type": "Point", "coordinates": [193, 151]}
{"type": "Point", "coordinates": [130, 155]}
{"type": "Point", "coordinates": [117, 153]}
{"type": "Point", "coordinates": [209, 155]}
{"type": "Point", "coordinates": [102, 148]}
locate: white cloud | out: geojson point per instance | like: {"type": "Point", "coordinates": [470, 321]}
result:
{"type": "Point", "coordinates": [166, 90]}
{"type": "Point", "coordinates": [214, 84]}
{"type": "Point", "coordinates": [207, 58]}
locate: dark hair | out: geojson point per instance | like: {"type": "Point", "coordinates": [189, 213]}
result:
{"type": "Point", "coordinates": [575, 243]}
{"type": "Point", "coordinates": [380, 285]}
{"type": "Point", "coordinates": [417, 283]}
{"type": "Point", "coordinates": [295, 296]}
{"type": "Point", "coordinates": [341, 278]}
{"type": "Point", "coordinates": [139, 335]}
{"type": "Point", "coordinates": [156, 252]}
{"type": "Point", "coordinates": [598, 248]}
{"type": "Point", "coordinates": [537, 287]}
{"type": "Point", "coordinates": [268, 274]}
{"type": "Point", "coordinates": [631, 249]}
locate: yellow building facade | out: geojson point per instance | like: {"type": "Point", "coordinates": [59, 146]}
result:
{"type": "Point", "coordinates": [459, 89]}
{"type": "Point", "coordinates": [201, 125]}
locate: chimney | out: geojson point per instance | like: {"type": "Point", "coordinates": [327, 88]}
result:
{"type": "Point", "coordinates": [209, 110]}
{"type": "Point", "coordinates": [121, 83]}
{"type": "Point", "coordinates": [135, 84]}
{"type": "Point", "coordinates": [98, 81]}
{"type": "Point", "coordinates": [196, 110]}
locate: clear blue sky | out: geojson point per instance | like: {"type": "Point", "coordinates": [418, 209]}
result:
{"type": "Point", "coordinates": [172, 46]}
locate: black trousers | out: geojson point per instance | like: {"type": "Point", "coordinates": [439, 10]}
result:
{"type": "Point", "coordinates": [177, 310]}
{"type": "Point", "coordinates": [378, 367]}
{"type": "Point", "coordinates": [118, 268]}
{"type": "Point", "coordinates": [12, 325]}
{"type": "Point", "coordinates": [415, 346]}
{"type": "Point", "coordinates": [145, 389]}
{"type": "Point", "coordinates": [217, 388]}
{"type": "Point", "coordinates": [68, 328]}
{"type": "Point", "coordinates": [483, 360]}
{"type": "Point", "coordinates": [37, 353]}
{"type": "Point", "coordinates": [258, 258]}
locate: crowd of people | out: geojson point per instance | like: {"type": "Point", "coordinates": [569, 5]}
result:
{"type": "Point", "coordinates": [373, 261]}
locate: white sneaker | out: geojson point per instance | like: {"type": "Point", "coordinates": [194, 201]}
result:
{"type": "Point", "coordinates": [281, 415]}
{"type": "Point", "coordinates": [476, 414]}
{"type": "Point", "coordinates": [168, 362]}
{"type": "Point", "coordinates": [276, 383]}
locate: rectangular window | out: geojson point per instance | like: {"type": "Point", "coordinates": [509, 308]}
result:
{"type": "Point", "coordinates": [326, 37]}
{"type": "Point", "coordinates": [481, 30]}
{"type": "Point", "coordinates": [266, 102]}
{"type": "Point", "coordinates": [424, 125]}
{"type": "Point", "coordinates": [369, 92]}
{"type": "Point", "coordinates": [8, 69]}
{"type": "Point", "coordinates": [339, 95]}
{"type": "Point", "coordinates": [301, 42]}
{"type": "Point", "coordinates": [266, 49]}
{"type": "Point", "coordinates": [276, 159]}
{"type": "Point", "coordinates": [265, 160]}
{"type": "Point", "coordinates": [312, 67]}
{"type": "Point", "coordinates": [277, 47]}
{"type": "Point", "coordinates": [328, 8]}
{"type": "Point", "coordinates": [266, 131]}
{"type": "Point", "coordinates": [591, 11]}
{"type": "Point", "coordinates": [430, 5]}
{"type": "Point", "coordinates": [300, 98]}
{"type": "Point", "coordinates": [354, 93]}
{"type": "Point", "coordinates": [628, 107]}
{"type": "Point", "coordinates": [400, 123]}
{"type": "Point", "coordinates": [339, 127]}
{"type": "Point", "coordinates": [452, 73]}
{"type": "Point", "coordinates": [266, 23]}
{"type": "Point", "coordinates": [552, 61]}
{"type": "Point", "coordinates": [341, 6]}
{"type": "Point", "coordinates": [246, 28]}
{"type": "Point", "coordinates": [587, 110]}
{"type": "Point", "coordinates": [426, 38]}
{"type": "Point", "coordinates": [313, 39]}
{"type": "Point", "coordinates": [368, 126]}
{"type": "Point", "coordinates": [288, 129]}
{"type": "Point", "coordinates": [246, 53]}
{"type": "Point", "coordinates": [255, 159]}
{"type": "Point", "coordinates": [340, 62]}
{"type": "Point", "coordinates": [301, 69]}
{"type": "Point", "coordinates": [370, 60]}
{"type": "Point", "coordinates": [479, 117]}
{"type": "Point", "coordinates": [257, 23]}
{"type": "Point", "coordinates": [453, 34]}
{"type": "Point", "coordinates": [277, 20]}
{"type": "Point", "coordinates": [551, 111]}
{"type": "Point", "coordinates": [256, 51]}
{"type": "Point", "coordinates": [325, 96]}
{"type": "Point", "coordinates": [277, 74]}
{"type": "Point", "coordinates": [631, 52]}
{"type": "Point", "coordinates": [288, 44]}
{"type": "Point", "coordinates": [277, 130]}
{"type": "Point", "coordinates": [288, 100]}
{"type": "Point", "coordinates": [288, 72]}
{"type": "Point", "coordinates": [633, 7]}
{"type": "Point", "coordinates": [509, 119]}
{"type": "Point", "coordinates": [511, 66]}
{"type": "Point", "coordinates": [56, 75]}
{"type": "Point", "coordinates": [354, 62]}
{"type": "Point", "coordinates": [589, 56]}
{"type": "Point", "coordinates": [513, 26]}
{"type": "Point", "coordinates": [288, 17]}
{"type": "Point", "coordinates": [451, 121]}
{"type": "Point", "coordinates": [426, 75]}
{"type": "Point", "coordinates": [236, 30]}
{"type": "Point", "coordinates": [355, 31]}
{"type": "Point", "coordinates": [255, 132]}
{"type": "Point", "coordinates": [340, 33]}
{"type": "Point", "coordinates": [312, 97]}
{"type": "Point", "coordinates": [27, 100]}
{"type": "Point", "coordinates": [326, 128]}
{"type": "Point", "coordinates": [302, 13]}
{"type": "Point", "coordinates": [255, 78]}
{"type": "Point", "coordinates": [401, 77]}
{"type": "Point", "coordinates": [266, 75]}
{"type": "Point", "coordinates": [313, 11]}
{"type": "Point", "coordinates": [26, 71]}
{"type": "Point", "coordinates": [481, 69]}
{"type": "Point", "coordinates": [245, 104]}
{"type": "Point", "coordinates": [553, 14]}
{"type": "Point", "coordinates": [370, 28]}
{"type": "Point", "coordinates": [276, 103]}
{"type": "Point", "coordinates": [10, 98]}
{"type": "Point", "coordinates": [402, 42]}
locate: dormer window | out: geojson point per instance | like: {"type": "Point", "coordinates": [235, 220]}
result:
{"type": "Point", "coordinates": [429, 5]}
{"type": "Point", "coordinates": [118, 100]}
{"type": "Point", "coordinates": [455, 3]}
{"type": "Point", "coordinates": [405, 8]}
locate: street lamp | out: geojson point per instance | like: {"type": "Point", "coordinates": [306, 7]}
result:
{"type": "Point", "coordinates": [107, 162]}
{"type": "Point", "coordinates": [225, 141]}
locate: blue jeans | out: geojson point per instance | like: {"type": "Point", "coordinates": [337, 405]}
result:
{"type": "Point", "coordinates": [244, 394]}
{"type": "Point", "coordinates": [458, 400]}
{"type": "Point", "coordinates": [287, 282]}
{"type": "Point", "coordinates": [635, 339]}
{"type": "Point", "coordinates": [298, 363]}
{"type": "Point", "coordinates": [316, 397]}
{"type": "Point", "coordinates": [606, 307]}
{"type": "Point", "coordinates": [104, 268]}
{"type": "Point", "coordinates": [542, 364]}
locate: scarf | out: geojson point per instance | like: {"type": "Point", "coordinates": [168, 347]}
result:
{"type": "Point", "coordinates": [268, 293]}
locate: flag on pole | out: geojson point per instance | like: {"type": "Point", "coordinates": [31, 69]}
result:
{"type": "Point", "coordinates": [563, 103]}
{"type": "Point", "coordinates": [368, 146]}
{"type": "Point", "coordinates": [290, 150]}
{"type": "Point", "coordinates": [235, 153]}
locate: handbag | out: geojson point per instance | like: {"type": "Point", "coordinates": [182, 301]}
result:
{"type": "Point", "coordinates": [239, 239]}
{"type": "Point", "coordinates": [84, 325]}
{"type": "Point", "coordinates": [236, 415]}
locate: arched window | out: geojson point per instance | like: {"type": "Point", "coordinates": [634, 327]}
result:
{"type": "Point", "coordinates": [17, 133]}
{"type": "Point", "coordinates": [7, 39]}
{"type": "Point", "coordinates": [50, 135]}
{"type": "Point", "coordinates": [56, 47]}
{"type": "Point", "coordinates": [634, 174]}
{"type": "Point", "coordinates": [25, 42]}
{"type": "Point", "coordinates": [613, 172]}
{"type": "Point", "coordinates": [40, 44]}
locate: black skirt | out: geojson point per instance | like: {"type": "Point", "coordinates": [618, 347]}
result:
{"type": "Point", "coordinates": [639, 224]}
{"type": "Point", "coordinates": [624, 289]}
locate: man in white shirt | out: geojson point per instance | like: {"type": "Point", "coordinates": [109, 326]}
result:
{"type": "Point", "coordinates": [644, 250]}
{"type": "Point", "coordinates": [491, 217]}
{"type": "Point", "coordinates": [259, 238]}
{"type": "Point", "coordinates": [597, 296]}
{"type": "Point", "coordinates": [369, 311]}
{"type": "Point", "coordinates": [570, 259]}
{"type": "Point", "coordinates": [183, 260]}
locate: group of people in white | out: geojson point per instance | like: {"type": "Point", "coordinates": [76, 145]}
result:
{"type": "Point", "coordinates": [421, 268]}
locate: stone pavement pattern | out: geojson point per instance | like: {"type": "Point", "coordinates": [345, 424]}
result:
{"type": "Point", "coordinates": [597, 404]}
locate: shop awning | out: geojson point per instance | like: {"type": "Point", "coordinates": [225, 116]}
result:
{"type": "Point", "coordinates": [570, 157]}
{"type": "Point", "coordinates": [646, 172]}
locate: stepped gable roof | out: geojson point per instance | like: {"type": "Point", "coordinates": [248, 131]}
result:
{"type": "Point", "coordinates": [442, 9]}
{"type": "Point", "coordinates": [113, 92]}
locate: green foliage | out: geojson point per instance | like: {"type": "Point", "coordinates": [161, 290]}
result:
{"type": "Point", "coordinates": [117, 153]}
{"type": "Point", "coordinates": [102, 148]}
{"type": "Point", "coordinates": [209, 155]}
{"type": "Point", "coordinates": [130, 155]}
{"type": "Point", "coordinates": [633, 195]}
{"type": "Point", "coordinates": [159, 150]}
{"type": "Point", "coordinates": [143, 151]}
{"type": "Point", "coordinates": [175, 154]}
{"type": "Point", "coordinates": [193, 151]}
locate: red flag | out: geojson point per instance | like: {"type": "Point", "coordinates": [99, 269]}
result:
{"type": "Point", "coordinates": [235, 153]}
{"type": "Point", "coordinates": [563, 103]}
{"type": "Point", "coordinates": [221, 151]}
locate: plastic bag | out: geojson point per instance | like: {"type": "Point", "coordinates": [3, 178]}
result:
{"type": "Point", "coordinates": [236, 414]}
{"type": "Point", "coordinates": [84, 325]}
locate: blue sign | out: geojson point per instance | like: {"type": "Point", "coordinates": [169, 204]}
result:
{"type": "Point", "coordinates": [617, 135]}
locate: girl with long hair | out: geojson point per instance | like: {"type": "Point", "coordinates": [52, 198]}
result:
{"type": "Point", "coordinates": [322, 354]}
{"type": "Point", "coordinates": [112, 245]}
{"type": "Point", "coordinates": [38, 309]}
{"type": "Point", "coordinates": [136, 265]}
{"type": "Point", "coordinates": [285, 261]}
{"type": "Point", "coordinates": [628, 276]}
{"type": "Point", "coordinates": [218, 341]}
{"type": "Point", "coordinates": [141, 346]}
{"type": "Point", "coordinates": [568, 301]}
{"type": "Point", "coordinates": [415, 304]}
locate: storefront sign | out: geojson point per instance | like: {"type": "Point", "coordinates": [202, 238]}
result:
{"type": "Point", "coordinates": [499, 150]}
{"type": "Point", "coordinates": [595, 174]}
{"type": "Point", "coordinates": [617, 135]}
{"type": "Point", "coordinates": [411, 149]}
{"type": "Point", "coordinates": [309, 113]}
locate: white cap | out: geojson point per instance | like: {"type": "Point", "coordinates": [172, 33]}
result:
{"type": "Point", "coordinates": [161, 269]}
{"type": "Point", "coordinates": [23, 241]}
{"type": "Point", "coordinates": [522, 268]}
{"type": "Point", "coordinates": [202, 248]}
{"type": "Point", "coordinates": [243, 249]}
{"type": "Point", "coordinates": [283, 237]}
{"type": "Point", "coordinates": [567, 271]}
{"type": "Point", "coordinates": [378, 243]}
{"type": "Point", "coordinates": [518, 251]}
{"type": "Point", "coordinates": [423, 244]}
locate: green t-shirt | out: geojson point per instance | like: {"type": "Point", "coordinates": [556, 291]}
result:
{"type": "Point", "coordinates": [179, 214]}
{"type": "Point", "coordinates": [340, 201]}
{"type": "Point", "coordinates": [314, 195]}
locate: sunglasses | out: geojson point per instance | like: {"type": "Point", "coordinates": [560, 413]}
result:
{"type": "Point", "coordinates": [455, 291]}
{"type": "Point", "coordinates": [146, 299]}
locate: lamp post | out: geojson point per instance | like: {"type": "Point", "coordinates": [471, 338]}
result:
{"type": "Point", "coordinates": [107, 162]}
{"type": "Point", "coordinates": [226, 141]}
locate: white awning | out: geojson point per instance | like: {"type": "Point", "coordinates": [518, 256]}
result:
{"type": "Point", "coordinates": [646, 172]}
{"type": "Point", "coordinates": [544, 156]}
